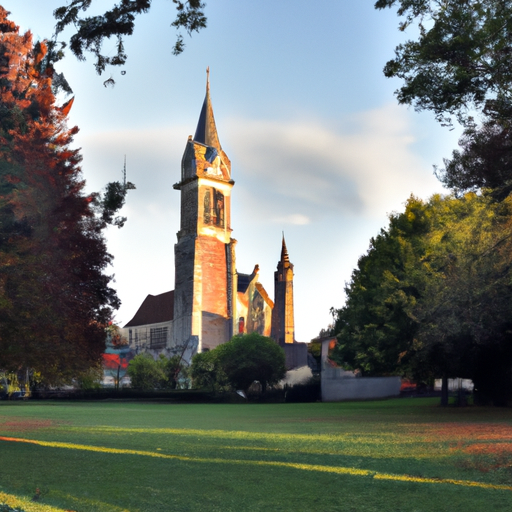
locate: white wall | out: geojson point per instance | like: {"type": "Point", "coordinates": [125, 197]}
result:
{"type": "Point", "coordinates": [338, 384]}
{"type": "Point", "coordinates": [337, 389]}
{"type": "Point", "coordinates": [454, 384]}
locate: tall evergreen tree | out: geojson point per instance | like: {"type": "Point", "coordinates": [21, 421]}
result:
{"type": "Point", "coordinates": [55, 298]}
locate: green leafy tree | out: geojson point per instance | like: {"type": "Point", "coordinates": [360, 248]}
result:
{"type": "Point", "coordinates": [461, 59]}
{"type": "Point", "coordinates": [249, 357]}
{"type": "Point", "coordinates": [238, 363]}
{"type": "Point", "coordinates": [147, 373]}
{"type": "Point", "coordinates": [91, 378]}
{"type": "Point", "coordinates": [432, 296]}
{"type": "Point", "coordinates": [484, 161]}
{"type": "Point", "coordinates": [118, 22]}
{"type": "Point", "coordinates": [206, 372]}
{"type": "Point", "coordinates": [460, 64]}
{"type": "Point", "coordinates": [173, 369]}
{"type": "Point", "coordinates": [464, 313]}
{"type": "Point", "coordinates": [376, 328]}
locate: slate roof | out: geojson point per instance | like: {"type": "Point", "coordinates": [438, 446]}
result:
{"type": "Point", "coordinates": [206, 131]}
{"type": "Point", "coordinates": [154, 309]}
{"type": "Point", "coordinates": [244, 280]}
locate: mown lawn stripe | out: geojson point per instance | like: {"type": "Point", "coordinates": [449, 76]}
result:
{"type": "Point", "coordinates": [26, 504]}
{"type": "Point", "coordinates": [305, 467]}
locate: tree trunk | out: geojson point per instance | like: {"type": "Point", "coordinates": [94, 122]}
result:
{"type": "Point", "coordinates": [444, 391]}
{"type": "Point", "coordinates": [462, 396]}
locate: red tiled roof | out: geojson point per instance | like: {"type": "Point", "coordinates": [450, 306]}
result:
{"type": "Point", "coordinates": [154, 309]}
{"type": "Point", "coordinates": [112, 361]}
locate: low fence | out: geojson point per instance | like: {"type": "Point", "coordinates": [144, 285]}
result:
{"type": "Point", "coordinates": [338, 385]}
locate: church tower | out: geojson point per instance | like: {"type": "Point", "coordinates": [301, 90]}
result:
{"type": "Point", "coordinates": [283, 325]}
{"type": "Point", "coordinates": [205, 276]}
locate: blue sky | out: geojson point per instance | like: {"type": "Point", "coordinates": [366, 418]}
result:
{"type": "Point", "coordinates": [319, 147]}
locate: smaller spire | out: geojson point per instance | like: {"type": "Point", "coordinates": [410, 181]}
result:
{"type": "Point", "coordinates": [284, 252]}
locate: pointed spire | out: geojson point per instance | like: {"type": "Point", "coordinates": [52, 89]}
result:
{"type": "Point", "coordinates": [284, 252]}
{"type": "Point", "coordinates": [206, 131]}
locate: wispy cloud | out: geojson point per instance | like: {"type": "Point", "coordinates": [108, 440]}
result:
{"type": "Point", "coordinates": [363, 166]}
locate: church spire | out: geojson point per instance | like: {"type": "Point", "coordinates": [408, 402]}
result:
{"type": "Point", "coordinates": [206, 131]}
{"type": "Point", "coordinates": [283, 323]}
{"type": "Point", "coordinates": [284, 253]}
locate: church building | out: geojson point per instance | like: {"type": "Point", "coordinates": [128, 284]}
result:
{"type": "Point", "coordinates": [212, 301]}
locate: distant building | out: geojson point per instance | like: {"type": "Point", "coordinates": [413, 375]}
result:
{"type": "Point", "coordinates": [212, 301]}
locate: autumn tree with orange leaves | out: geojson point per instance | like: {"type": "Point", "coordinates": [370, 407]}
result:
{"type": "Point", "coordinates": [55, 298]}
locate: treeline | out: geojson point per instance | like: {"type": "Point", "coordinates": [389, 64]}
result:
{"type": "Point", "coordinates": [433, 295]}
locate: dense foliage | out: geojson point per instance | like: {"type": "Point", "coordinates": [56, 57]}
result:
{"type": "Point", "coordinates": [239, 362]}
{"type": "Point", "coordinates": [484, 161]}
{"type": "Point", "coordinates": [206, 372]}
{"type": "Point", "coordinates": [440, 305]}
{"type": "Point", "coordinates": [433, 296]}
{"type": "Point", "coordinates": [55, 299]}
{"type": "Point", "coordinates": [461, 58]}
{"type": "Point", "coordinates": [147, 374]}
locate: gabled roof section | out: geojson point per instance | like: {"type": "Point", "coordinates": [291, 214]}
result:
{"type": "Point", "coordinates": [244, 280]}
{"type": "Point", "coordinates": [206, 131]}
{"type": "Point", "coordinates": [154, 309]}
{"type": "Point", "coordinates": [264, 294]}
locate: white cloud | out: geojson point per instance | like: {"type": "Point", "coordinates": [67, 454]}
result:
{"type": "Point", "coordinates": [295, 218]}
{"type": "Point", "coordinates": [364, 166]}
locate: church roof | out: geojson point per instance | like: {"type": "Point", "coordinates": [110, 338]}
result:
{"type": "Point", "coordinates": [154, 309]}
{"type": "Point", "coordinates": [244, 280]}
{"type": "Point", "coordinates": [206, 131]}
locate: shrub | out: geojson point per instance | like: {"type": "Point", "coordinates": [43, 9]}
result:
{"type": "Point", "coordinates": [206, 372]}
{"type": "Point", "coordinates": [145, 373]}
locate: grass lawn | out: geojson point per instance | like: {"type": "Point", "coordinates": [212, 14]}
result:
{"type": "Point", "coordinates": [395, 455]}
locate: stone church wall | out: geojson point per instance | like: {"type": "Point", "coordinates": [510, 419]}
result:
{"type": "Point", "coordinates": [189, 209]}
{"type": "Point", "coordinates": [254, 310]}
{"type": "Point", "coordinates": [184, 292]}
{"type": "Point", "coordinates": [212, 254]}
{"type": "Point", "coordinates": [215, 331]}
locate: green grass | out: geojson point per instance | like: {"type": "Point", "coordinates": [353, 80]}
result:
{"type": "Point", "coordinates": [396, 455]}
